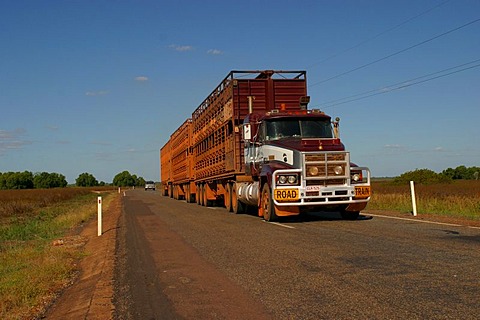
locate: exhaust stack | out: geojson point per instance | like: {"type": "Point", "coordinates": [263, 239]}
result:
{"type": "Point", "coordinates": [250, 103]}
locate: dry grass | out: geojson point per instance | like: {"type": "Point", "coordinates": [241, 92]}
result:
{"type": "Point", "coordinates": [20, 203]}
{"type": "Point", "coordinates": [32, 270]}
{"type": "Point", "coordinates": [458, 199]}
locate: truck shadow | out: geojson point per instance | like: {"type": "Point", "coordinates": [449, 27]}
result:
{"type": "Point", "coordinates": [320, 216]}
{"type": "Point", "coordinates": [310, 216]}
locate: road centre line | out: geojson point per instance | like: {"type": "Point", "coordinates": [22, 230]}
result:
{"type": "Point", "coordinates": [280, 225]}
{"type": "Point", "coordinates": [423, 221]}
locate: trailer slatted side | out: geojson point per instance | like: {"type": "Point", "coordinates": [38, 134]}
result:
{"type": "Point", "coordinates": [165, 167]}
{"type": "Point", "coordinates": [180, 151]}
{"type": "Point", "coordinates": [217, 141]}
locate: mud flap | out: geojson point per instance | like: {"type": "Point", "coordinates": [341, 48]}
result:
{"type": "Point", "coordinates": [356, 207]}
{"type": "Point", "coordinates": [284, 211]}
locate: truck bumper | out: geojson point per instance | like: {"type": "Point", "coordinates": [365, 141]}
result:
{"type": "Point", "coordinates": [347, 197]}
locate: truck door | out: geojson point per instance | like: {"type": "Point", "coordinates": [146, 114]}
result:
{"type": "Point", "coordinates": [252, 149]}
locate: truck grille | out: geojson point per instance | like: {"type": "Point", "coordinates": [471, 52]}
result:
{"type": "Point", "coordinates": [326, 168]}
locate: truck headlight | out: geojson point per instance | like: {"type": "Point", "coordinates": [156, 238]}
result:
{"type": "Point", "coordinates": [313, 171]}
{"type": "Point", "coordinates": [356, 177]}
{"type": "Point", "coordinates": [292, 179]}
{"type": "Point", "coordinates": [338, 170]}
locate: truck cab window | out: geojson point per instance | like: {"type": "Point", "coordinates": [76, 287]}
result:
{"type": "Point", "coordinates": [316, 129]}
{"type": "Point", "coordinates": [279, 129]}
{"type": "Point", "coordinates": [286, 128]}
{"type": "Point", "coordinates": [261, 133]}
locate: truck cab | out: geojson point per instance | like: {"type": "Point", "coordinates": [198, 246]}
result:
{"type": "Point", "coordinates": [300, 164]}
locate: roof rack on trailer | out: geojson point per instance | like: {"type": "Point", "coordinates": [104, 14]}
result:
{"type": "Point", "coordinates": [267, 74]}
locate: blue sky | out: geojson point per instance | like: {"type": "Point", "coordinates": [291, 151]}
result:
{"type": "Point", "coordinates": [99, 86]}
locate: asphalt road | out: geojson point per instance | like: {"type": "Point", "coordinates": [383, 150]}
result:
{"type": "Point", "coordinates": [183, 261]}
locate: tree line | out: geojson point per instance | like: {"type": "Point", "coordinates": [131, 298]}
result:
{"type": "Point", "coordinates": [46, 180]}
{"type": "Point", "coordinates": [462, 172]}
{"type": "Point", "coordinates": [427, 176]}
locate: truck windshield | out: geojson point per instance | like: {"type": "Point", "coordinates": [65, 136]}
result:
{"type": "Point", "coordinates": [290, 128]}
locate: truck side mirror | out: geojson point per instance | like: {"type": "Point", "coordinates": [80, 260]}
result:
{"type": "Point", "coordinates": [247, 132]}
{"type": "Point", "coordinates": [336, 128]}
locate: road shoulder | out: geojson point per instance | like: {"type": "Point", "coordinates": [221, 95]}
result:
{"type": "Point", "coordinates": [90, 296]}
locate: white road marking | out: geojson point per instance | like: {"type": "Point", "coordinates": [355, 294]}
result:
{"type": "Point", "coordinates": [423, 221]}
{"type": "Point", "coordinates": [280, 225]}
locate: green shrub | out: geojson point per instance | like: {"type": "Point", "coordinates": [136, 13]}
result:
{"type": "Point", "coordinates": [422, 176]}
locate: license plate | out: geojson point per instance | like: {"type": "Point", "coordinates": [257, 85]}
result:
{"type": "Point", "coordinates": [285, 194]}
{"type": "Point", "coordinates": [362, 192]}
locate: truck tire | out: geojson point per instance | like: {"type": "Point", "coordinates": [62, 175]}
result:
{"type": "Point", "coordinates": [199, 196]}
{"type": "Point", "coordinates": [237, 206]}
{"type": "Point", "coordinates": [228, 197]}
{"type": "Point", "coordinates": [267, 204]}
{"type": "Point", "coordinates": [187, 194]}
{"type": "Point", "coordinates": [350, 215]}
{"type": "Point", "coordinates": [206, 202]}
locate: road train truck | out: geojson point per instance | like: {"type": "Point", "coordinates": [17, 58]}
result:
{"type": "Point", "coordinates": [253, 143]}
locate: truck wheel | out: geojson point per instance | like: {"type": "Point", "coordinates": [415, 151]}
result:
{"type": "Point", "coordinates": [267, 204]}
{"type": "Point", "coordinates": [187, 194]}
{"type": "Point", "coordinates": [199, 196]}
{"type": "Point", "coordinates": [206, 202]}
{"type": "Point", "coordinates": [350, 215]}
{"type": "Point", "coordinates": [237, 206]}
{"type": "Point", "coordinates": [228, 197]}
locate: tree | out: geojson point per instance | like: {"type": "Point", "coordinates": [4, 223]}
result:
{"type": "Point", "coordinates": [140, 181]}
{"type": "Point", "coordinates": [462, 172]}
{"type": "Point", "coordinates": [16, 180]}
{"type": "Point", "coordinates": [25, 180]}
{"type": "Point", "coordinates": [472, 173]}
{"type": "Point", "coordinates": [45, 180]}
{"type": "Point", "coordinates": [123, 179]}
{"type": "Point", "coordinates": [28, 180]}
{"type": "Point", "coordinates": [86, 180]}
{"type": "Point", "coordinates": [449, 173]}
{"type": "Point", "coordinates": [422, 176]}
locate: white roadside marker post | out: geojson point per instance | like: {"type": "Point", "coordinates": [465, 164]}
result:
{"type": "Point", "coordinates": [414, 203]}
{"type": "Point", "coordinates": [99, 216]}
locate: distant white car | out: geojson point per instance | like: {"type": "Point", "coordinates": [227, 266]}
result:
{"type": "Point", "coordinates": [149, 185]}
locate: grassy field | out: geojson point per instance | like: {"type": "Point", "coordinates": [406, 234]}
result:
{"type": "Point", "coordinates": [33, 269]}
{"type": "Point", "coordinates": [460, 199]}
